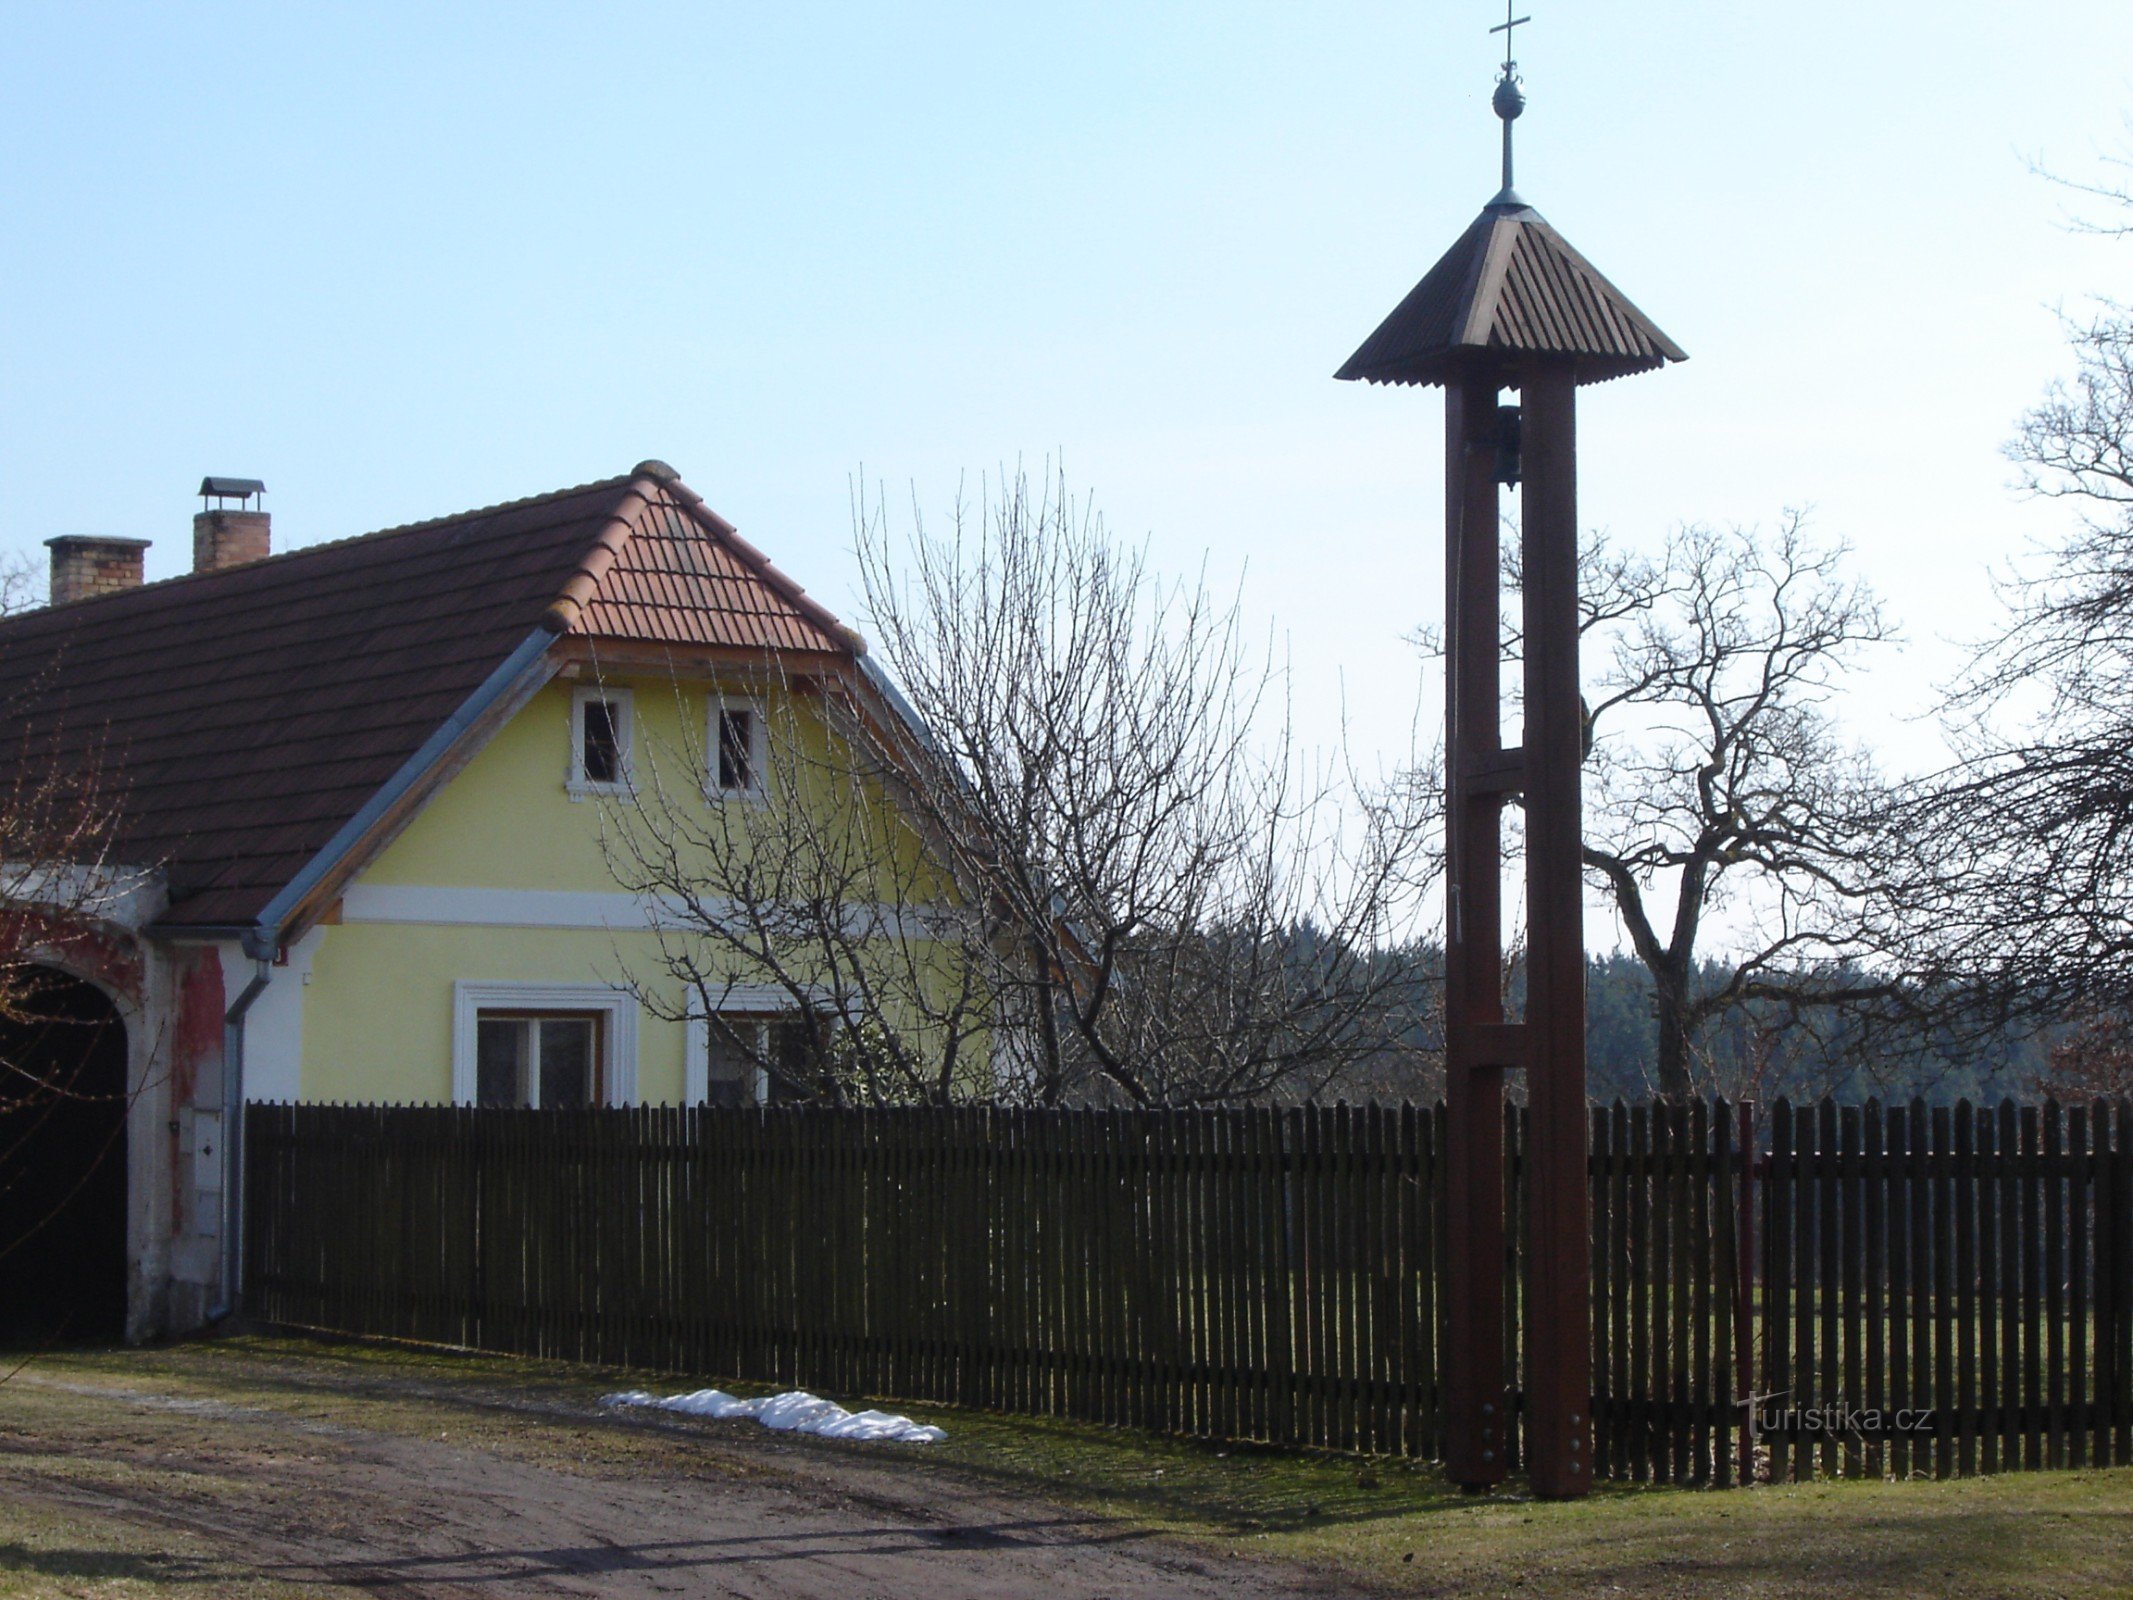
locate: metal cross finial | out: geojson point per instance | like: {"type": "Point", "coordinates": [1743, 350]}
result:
{"type": "Point", "coordinates": [1510, 100]}
{"type": "Point", "coordinates": [1504, 27]}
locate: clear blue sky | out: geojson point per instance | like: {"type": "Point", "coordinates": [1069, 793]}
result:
{"type": "Point", "coordinates": [402, 259]}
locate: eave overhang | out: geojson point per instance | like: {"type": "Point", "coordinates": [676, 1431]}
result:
{"type": "Point", "coordinates": [1510, 296]}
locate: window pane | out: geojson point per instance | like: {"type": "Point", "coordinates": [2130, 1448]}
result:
{"type": "Point", "coordinates": [500, 1062]}
{"type": "Point", "coordinates": [732, 1062]}
{"type": "Point", "coordinates": [736, 749]}
{"type": "Point", "coordinates": [600, 756]}
{"type": "Point", "coordinates": [792, 1064]}
{"type": "Point", "coordinates": [567, 1076]}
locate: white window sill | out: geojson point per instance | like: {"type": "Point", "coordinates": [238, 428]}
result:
{"type": "Point", "coordinates": [578, 790]}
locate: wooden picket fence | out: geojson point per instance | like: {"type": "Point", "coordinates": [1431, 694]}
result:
{"type": "Point", "coordinates": [1244, 1274]}
{"type": "Point", "coordinates": [1861, 1291]}
{"type": "Point", "coordinates": [1853, 1290]}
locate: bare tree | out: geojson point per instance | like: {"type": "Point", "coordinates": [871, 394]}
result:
{"type": "Point", "coordinates": [18, 582]}
{"type": "Point", "coordinates": [2024, 902]}
{"type": "Point", "coordinates": [820, 884]}
{"type": "Point", "coordinates": [59, 813]}
{"type": "Point", "coordinates": [2025, 895]}
{"type": "Point", "coordinates": [1725, 807]}
{"type": "Point", "coordinates": [58, 816]}
{"type": "Point", "coordinates": [1188, 909]}
{"type": "Point", "coordinates": [2092, 1060]}
{"type": "Point", "coordinates": [62, 1116]}
{"type": "Point", "coordinates": [2114, 187]}
{"type": "Point", "coordinates": [1062, 847]}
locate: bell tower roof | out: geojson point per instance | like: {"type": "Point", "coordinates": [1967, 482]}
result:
{"type": "Point", "coordinates": [1510, 291]}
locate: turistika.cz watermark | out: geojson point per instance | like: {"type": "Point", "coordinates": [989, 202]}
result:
{"type": "Point", "coordinates": [1839, 1420]}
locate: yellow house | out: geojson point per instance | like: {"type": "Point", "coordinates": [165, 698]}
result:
{"type": "Point", "coordinates": [383, 831]}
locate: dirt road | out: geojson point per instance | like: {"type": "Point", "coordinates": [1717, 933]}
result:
{"type": "Point", "coordinates": [308, 1475]}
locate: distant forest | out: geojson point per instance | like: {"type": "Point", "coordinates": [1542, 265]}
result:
{"type": "Point", "coordinates": [1750, 1053]}
{"type": "Point", "coordinates": [1755, 1056]}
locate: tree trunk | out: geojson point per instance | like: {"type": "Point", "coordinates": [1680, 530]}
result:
{"type": "Point", "coordinates": [1672, 997]}
{"type": "Point", "coordinates": [1054, 1081]}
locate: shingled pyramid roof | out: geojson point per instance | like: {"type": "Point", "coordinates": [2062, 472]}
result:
{"type": "Point", "coordinates": [1511, 289]}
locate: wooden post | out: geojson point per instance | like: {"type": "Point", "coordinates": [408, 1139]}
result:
{"type": "Point", "coordinates": [1744, 1292]}
{"type": "Point", "coordinates": [1558, 1342]}
{"type": "Point", "coordinates": [1475, 1420]}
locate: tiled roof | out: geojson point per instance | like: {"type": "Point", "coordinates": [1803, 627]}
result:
{"type": "Point", "coordinates": [1511, 288]}
{"type": "Point", "coordinates": [669, 583]}
{"type": "Point", "coordinates": [249, 714]}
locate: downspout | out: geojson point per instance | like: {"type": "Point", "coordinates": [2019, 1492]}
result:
{"type": "Point", "coordinates": [233, 1131]}
{"type": "Point", "coordinates": [523, 671]}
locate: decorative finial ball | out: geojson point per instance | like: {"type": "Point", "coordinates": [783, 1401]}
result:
{"type": "Point", "coordinates": [1510, 98]}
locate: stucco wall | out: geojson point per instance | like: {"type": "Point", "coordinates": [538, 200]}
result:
{"type": "Point", "coordinates": [378, 1009]}
{"type": "Point", "coordinates": [500, 878]}
{"type": "Point", "coordinates": [508, 820]}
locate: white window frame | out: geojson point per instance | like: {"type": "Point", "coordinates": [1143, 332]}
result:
{"type": "Point", "coordinates": [758, 747]}
{"type": "Point", "coordinates": [758, 1002]}
{"type": "Point", "coordinates": [616, 1008]}
{"type": "Point", "coordinates": [532, 1026]}
{"type": "Point", "coordinates": [625, 706]}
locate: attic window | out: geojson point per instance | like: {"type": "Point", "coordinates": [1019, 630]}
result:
{"type": "Point", "coordinates": [600, 739]}
{"type": "Point", "coordinates": [737, 748]}
{"type": "Point", "coordinates": [603, 743]}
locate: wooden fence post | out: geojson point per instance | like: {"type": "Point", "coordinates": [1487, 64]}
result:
{"type": "Point", "coordinates": [1744, 1288]}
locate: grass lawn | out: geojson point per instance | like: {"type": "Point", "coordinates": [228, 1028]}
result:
{"type": "Point", "coordinates": [1394, 1526]}
{"type": "Point", "coordinates": [1402, 1527]}
{"type": "Point", "coordinates": [79, 1553]}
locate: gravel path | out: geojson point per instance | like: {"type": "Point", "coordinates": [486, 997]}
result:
{"type": "Point", "coordinates": [549, 1507]}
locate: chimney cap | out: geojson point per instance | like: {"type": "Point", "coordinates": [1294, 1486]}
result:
{"type": "Point", "coordinates": [110, 539]}
{"type": "Point", "coordinates": [230, 488]}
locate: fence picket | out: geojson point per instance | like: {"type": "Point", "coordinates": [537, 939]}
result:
{"type": "Point", "coordinates": [2082, 1166]}
{"type": "Point", "coordinates": [1253, 1273]}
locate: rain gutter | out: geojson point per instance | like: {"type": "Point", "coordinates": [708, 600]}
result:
{"type": "Point", "coordinates": [233, 1136]}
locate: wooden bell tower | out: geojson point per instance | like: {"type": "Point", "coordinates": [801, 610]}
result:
{"type": "Point", "coordinates": [1512, 307]}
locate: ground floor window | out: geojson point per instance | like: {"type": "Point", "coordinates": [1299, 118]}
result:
{"type": "Point", "coordinates": [550, 1045]}
{"type": "Point", "coordinates": [536, 1059]}
{"type": "Point", "coordinates": [758, 1060]}
{"type": "Point", "coordinates": [753, 1044]}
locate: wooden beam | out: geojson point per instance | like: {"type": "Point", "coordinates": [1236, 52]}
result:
{"type": "Point", "coordinates": [1503, 1046]}
{"type": "Point", "coordinates": [1476, 1369]}
{"type": "Point", "coordinates": [1558, 1321]}
{"type": "Point", "coordinates": [1497, 775]}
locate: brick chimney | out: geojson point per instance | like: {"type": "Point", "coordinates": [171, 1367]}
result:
{"type": "Point", "coordinates": [229, 539]}
{"type": "Point", "coordinates": [226, 535]}
{"type": "Point", "coordinates": [87, 565]}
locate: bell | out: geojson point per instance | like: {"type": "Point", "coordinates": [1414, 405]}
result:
{"type": "Point", "coordinates": [1508, 432]}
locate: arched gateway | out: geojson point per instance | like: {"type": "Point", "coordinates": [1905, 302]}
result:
{"type": "Point", "coordinates": [63, 1104]}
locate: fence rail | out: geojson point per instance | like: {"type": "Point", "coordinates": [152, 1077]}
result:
{"type": "Point", "coordinates": [1856, 1290]}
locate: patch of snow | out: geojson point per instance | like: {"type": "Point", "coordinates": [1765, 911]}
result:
{"type": "Point", "coordinates": [795, 1411]}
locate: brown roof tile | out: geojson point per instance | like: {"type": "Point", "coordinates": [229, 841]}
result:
{"type": "Point", "coordinates": [250, 713]}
